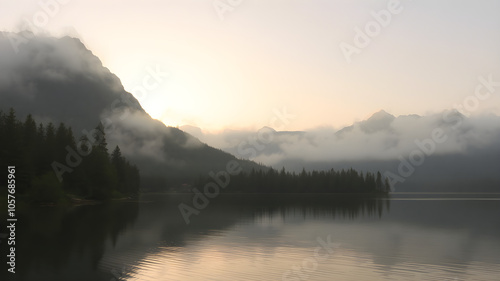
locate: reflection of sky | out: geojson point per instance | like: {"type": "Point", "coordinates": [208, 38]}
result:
{"type": "Point", "coordinates": [420, 240]}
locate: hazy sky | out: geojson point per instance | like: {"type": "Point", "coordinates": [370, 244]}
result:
{"type": "Point", "coordinates": [273, 54]}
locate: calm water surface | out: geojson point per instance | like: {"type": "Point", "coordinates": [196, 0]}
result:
{"type": "Point", "coordinates": [406, 237]}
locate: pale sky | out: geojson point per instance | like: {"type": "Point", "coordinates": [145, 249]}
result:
{"type": "Point", "coordinates": [273, 54]}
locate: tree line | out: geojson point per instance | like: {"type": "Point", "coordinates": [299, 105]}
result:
{"type": "Point", "coordinates": [41, 154]}
{"type": "Point", "coordinates": [331, 181]}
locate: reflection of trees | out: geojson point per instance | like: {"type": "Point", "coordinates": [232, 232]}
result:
{"type": "Point", "coordinates": [229, 209]}
{"type": "Point", "coordinates": [56, 242]}
{"type": "Point", "coordinates": [325, 206]}
{"type": "Point", "coordinates": [161, 228]}
{"type": "Point", "coordinates": [69, 245]}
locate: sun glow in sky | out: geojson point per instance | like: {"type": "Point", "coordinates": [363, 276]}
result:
{"type": "Point", "coordinates": [268, 55]}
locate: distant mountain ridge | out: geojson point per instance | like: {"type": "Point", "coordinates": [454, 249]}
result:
{"type": "Point", "coordinates": [380, 120]}
{"type": "Point", "coordinates": [468, 159]}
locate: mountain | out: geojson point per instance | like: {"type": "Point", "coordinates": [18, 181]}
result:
{"type": "Point", "coordinates": [192, 130]}
{"type": "Point", "coordinates": [379, 121]}
{"type": "Point", "coordinates": [248, 144]}
{"type": "Point", "coordinates": [60, 80]}
{"type": "Point", "coordinates": [446, 151]}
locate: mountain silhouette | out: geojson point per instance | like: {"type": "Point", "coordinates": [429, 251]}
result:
{"type": "Point", "coordinates": [60, 80]}
{"type": "Point", "coordinates": [379, 121]}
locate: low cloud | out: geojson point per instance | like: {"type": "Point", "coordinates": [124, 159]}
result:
{"type": "Point", "coordinates": [382, 137]}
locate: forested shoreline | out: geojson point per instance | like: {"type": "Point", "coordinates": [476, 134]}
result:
{"type": "Point", "coordinates": [52, 166]}
{"type": "Point", "coordinates": [273, 181]}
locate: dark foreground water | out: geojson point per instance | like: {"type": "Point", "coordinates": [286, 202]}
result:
{"type": "Point", "coordinates": [300, 237]}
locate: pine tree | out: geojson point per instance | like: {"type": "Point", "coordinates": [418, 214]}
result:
{"type": "Point", "coordinates": [33, 149]}
{"type": "Point", "coordinates": [12, 138]}
{"type": "Point", "coordinates": [378, 182]}
{"type": "Point", "coordinates": [387, 185]}
{"type": "Point", "coordinates": [100, 138]}
{"type": "Point", "coordinates": [39, 150]}
{"type": "Point", "coordinates": [28, 164]}
{"type": "Point", "coordinates": [119, 165]}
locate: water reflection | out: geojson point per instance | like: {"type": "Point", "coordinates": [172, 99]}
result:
{"type": "Point", "coordinates": [260, 238]}
{"type": "Point", "coordinates": [68, 244]}
{"type": "Point", "coordinates": [292, 207]}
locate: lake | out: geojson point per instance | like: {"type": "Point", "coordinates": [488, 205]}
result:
{"type": "Point", "coordinates": [265, 237]}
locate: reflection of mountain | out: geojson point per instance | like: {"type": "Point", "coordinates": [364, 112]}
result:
{"type": "Point", "coordinates": [59, 80]}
